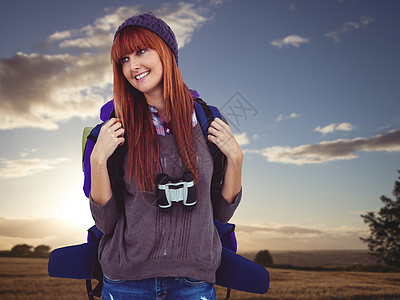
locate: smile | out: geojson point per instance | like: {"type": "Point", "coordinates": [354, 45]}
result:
{"type": "Point", "coordinates": [142, 75]}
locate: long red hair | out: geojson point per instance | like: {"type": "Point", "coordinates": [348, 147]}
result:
{"type": "Point", "coordinates": [131, 107]}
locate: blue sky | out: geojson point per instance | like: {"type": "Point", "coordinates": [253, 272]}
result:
{"type": "Point", "coordinates": [310, 89]}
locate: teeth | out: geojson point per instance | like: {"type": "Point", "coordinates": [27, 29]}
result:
{"type": "Point", "coordinates": [140, 76]}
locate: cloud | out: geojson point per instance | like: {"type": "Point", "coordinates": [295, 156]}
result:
{"type": "Point", "coordinates": [26, 167]}
{"type": "Point", "coordinates": [285, 229]}
{"type": "Point", "coordinates": [291, 116]}
{"type": "Point", "coordinates": [242, 138]}
{"type": "Point", "coordinates": [361, 23]}
{"type": "Point", "coordinates": [42, 90]}
{"type": "Point", "coordinates": [293, 40]}
{"type": "Point", "coordinates": [36, 231]}
{"type": "Point", "coordinates": [333, 35]}
{"type": "Point", "coordinates": [184, 20]}
{"type": "Point", "coordinates": [217, 3]}
{"type": "Point", "coordinates": [335, 127]}
{"type": "Point", "coordinates": [384, 129]}
{"type": "Point", "coordinates": [297, 237]}
{"type": "Point", "coordinates": [342, 149]}
{"type": "Point", "coordinates": [29, 227]}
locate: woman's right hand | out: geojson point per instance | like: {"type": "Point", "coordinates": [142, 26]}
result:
{"type": "Point", "coordinates": [110, 137]}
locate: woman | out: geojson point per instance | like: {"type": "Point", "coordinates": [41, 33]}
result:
{"type": "Point", "coordinates": [148, 252]}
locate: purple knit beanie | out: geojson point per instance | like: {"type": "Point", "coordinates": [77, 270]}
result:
{"type": "Point", "coordinates": [156, 25]}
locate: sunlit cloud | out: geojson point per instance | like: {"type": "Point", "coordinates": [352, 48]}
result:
{"type": "Point", "coordinates": [26, 166]}
{"type": "Point", "coordinates": [184, 20]}
{"type": "Point", "coordinates": [293, 40]}
{"type": "Point", "coordinates": [291, 116]}
{"type": "Point", "coordinates": [36, 231]}
{"type": "Point", "coordinates": [361, 23]}
{"type": "Point", "coordinates": [334, 127]}
{"type": "Point", "coordinates": [42, 90]}
{"type": "Point", "coordinates": [296, 237]}
{"type": "Point", "coordinates": [281, 229]}
{"type": "Point", "coordinates": [341, 149]}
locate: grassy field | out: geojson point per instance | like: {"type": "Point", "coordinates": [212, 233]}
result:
{"type": "Point", "coordinates": [26, 278]}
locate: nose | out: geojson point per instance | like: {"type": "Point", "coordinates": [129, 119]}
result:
{"type": "Point", "coordinates": [134, 62]}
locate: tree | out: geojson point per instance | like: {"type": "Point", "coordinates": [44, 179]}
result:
{"type": "Point", "coordinates": [42, 250]}
{"type": "Point", "coordinates": [264, 258]}
{"type": "Point", "coordinates": [384, 239]}
{"type": "Point", "coordinates": [21, 250]}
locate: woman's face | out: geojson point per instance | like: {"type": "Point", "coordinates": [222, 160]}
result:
{"type": "Point", "coordinates": [144, 70]}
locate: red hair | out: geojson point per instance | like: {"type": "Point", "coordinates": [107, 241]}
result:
{"type": "Point", "coordinates": [131, 107]}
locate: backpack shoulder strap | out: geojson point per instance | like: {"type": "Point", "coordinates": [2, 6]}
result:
{"type": "Point", "coordinates": [89, 138]}
{"type": "Point", "coordinates": [205, 115]}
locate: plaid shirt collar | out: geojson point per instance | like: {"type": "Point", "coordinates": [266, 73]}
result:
{"type": "Point", "coordinates": [161, 126]}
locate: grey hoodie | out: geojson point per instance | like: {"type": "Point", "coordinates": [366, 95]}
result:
{"type": "Point", "coordinates": [143, 241]}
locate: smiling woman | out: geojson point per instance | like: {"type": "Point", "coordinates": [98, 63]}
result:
{"type": "Point", "coordinates": [153, 141]}
{"type": "Point", "coordinates": [137, 50]}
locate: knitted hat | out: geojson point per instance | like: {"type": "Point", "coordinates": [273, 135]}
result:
{"type": "Point", "coordinates": [156, 25]}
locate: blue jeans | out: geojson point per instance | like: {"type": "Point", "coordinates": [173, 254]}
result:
{"type": "Point", "coordinates": [158, 288]}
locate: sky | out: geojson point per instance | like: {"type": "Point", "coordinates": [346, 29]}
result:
{"type": "Point", "coordinates": [310, 90]}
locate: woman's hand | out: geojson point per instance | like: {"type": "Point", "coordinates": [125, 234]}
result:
{"type": "Point", "coordinates": [110, 137]}
{"type": "Point", "coordinates": [221, 135]}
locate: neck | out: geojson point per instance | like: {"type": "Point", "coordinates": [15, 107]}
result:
{"type": "Point", "coordinates": [156, 99]}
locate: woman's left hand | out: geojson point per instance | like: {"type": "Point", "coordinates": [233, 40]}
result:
{"type": "Point", "coordinates": [221, 135]}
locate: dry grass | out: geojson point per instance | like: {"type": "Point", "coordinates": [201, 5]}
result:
{"type": "Point", "coordinates": [291, 284]}
{"type": "Point", "coordinates": [26, 278]}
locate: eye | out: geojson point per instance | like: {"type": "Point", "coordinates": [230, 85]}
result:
{"type": "Point", "coordinates": [140, 52]}
{"type": "Point", "coordinates": [124, 60]}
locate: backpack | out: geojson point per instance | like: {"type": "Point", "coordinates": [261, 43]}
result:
{"type": "Point", "coordinates": [81, 261]}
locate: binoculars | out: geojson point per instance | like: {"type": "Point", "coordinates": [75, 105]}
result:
{"type": "Point", "coordinates": [182, 190]}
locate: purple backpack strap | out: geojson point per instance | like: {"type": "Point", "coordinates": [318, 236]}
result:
{"type": "Point", "coordinates": [106, 110]}
{"type": "Point", "coordinates": [91, 140]}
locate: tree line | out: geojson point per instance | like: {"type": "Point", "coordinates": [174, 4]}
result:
{"type": "Point", "coordinates": [24, 250]}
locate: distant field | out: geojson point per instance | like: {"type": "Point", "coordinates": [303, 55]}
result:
{"type": "Point", "coordinates": [319, 258]}
{"type": "Point", "coordinates": [26, 278]}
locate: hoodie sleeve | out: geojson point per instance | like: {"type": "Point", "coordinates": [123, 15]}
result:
{"type": "Point", "coordinates": [223, 210]}
{"type": "Point", "coordinates": [105, 217]}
